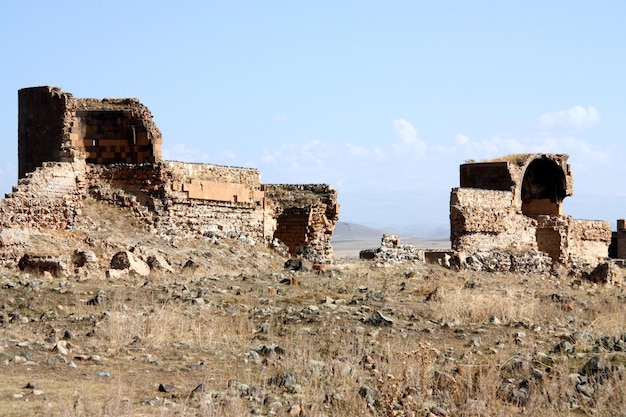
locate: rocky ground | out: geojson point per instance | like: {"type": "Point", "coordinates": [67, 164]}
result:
{"type": "Point", "coordinates": [229, 331]}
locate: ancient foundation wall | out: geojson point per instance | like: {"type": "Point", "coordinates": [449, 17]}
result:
{"type": "Point", "coordinates": [315, 202]}
{"type": "Point", "coordinates": [487, 219]}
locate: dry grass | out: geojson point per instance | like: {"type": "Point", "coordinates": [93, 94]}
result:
{"type": "Point", "coordinates": [483, 345]}
{"type": "Point", "coordinates": [517, 159]}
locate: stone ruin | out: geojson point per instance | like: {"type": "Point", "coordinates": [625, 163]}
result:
{"type": "Point", "coordinates": [70, 148]}
{"type": "Point", "coordinates": [515, 204]}
{"type": "Point", "coordinates": [507, 215]}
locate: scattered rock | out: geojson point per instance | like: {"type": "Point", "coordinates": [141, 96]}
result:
{"type": "Point", "coordinates": [126, 260]}
{"type": "Point", "coordinates": [435, 295]}
{"type": "Point", "coordinates": [297, 264]}
{"type": "Point", "coordinates": [157, 262]}
{"type": "Point", "coordinates": [378, 319]}
{"type": "Point", "coordinates": [167, 388]}
{"type": "Point", "coordinates": [85, 259]}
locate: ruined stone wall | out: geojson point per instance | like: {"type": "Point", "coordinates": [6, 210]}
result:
{"type": "Point", "coordinates": [318, 203]}
{"type": "Point", "coordinates": [589, 240]}
{"type": "Point", "coordinates": [48, 198]}
{"type": "Point", "coordinates": [162, 194]}
{"type": "Point", "coordinates": [488, 219]}
{"type": "Point", "coordinates": [110, 149]}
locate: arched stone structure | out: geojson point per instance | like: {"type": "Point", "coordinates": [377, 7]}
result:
{"type": "Point", "coordinates": [543, 188]}
{"type": "Point", "coordinates": [515, 202]}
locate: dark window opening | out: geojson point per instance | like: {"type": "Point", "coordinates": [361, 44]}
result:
{"type": "Point", "coordinates": [543, 188]}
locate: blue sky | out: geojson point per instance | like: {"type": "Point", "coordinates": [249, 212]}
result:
{"type": "Point", "coordinates": [383, 100]}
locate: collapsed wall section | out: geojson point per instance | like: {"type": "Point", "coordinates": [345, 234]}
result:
{"type": "Point", "coordinates": [306, 216]}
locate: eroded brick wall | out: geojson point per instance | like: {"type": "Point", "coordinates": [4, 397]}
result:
{"type": "Point", "coordinates": [318, 203]}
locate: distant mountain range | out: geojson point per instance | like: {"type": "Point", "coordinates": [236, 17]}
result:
{"type": "Point", "coordinates": [350, 238]}
{"type": "Point", "coordinates": [345, 231]}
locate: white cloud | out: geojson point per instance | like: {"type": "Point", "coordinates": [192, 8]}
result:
{"type": "Point", "coordinates": [299, 155]}
{"type": "Point", "coordinates": [577, 117]}
{"type": "Point", "coordinates": [408, 136]}
{"type": "Point", "coordinates": [461, 139]}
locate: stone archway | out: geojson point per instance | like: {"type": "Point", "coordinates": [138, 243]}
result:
{"type": "Point", "coordinates": [543, 188]}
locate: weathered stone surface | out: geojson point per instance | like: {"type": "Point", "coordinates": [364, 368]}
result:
{"type": "Point", "coordinates": [157, 262]}
{"type": "Point", "coordinates": [126, 260]}
{"type": "Point", "coordinates": [85, 259]}
{"type": "Point", "coordinates": [503, 261]}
